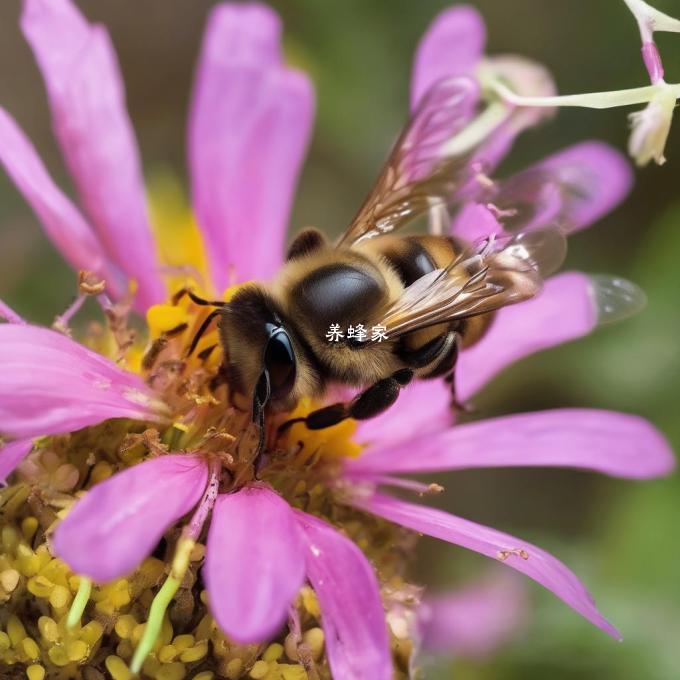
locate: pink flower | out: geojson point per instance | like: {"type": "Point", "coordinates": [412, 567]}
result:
{"type": "Point", "coordinates": [249, 125]}
{"type": "Point", "coordinates": [473, 621]}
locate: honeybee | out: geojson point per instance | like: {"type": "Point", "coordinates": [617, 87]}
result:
{"type": "Point", "coordinates": [430, 294]}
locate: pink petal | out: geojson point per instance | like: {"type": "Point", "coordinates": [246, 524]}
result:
{"type": "Point", "coordinates": [8, 314]}
{"type": "Point", "coordinates": [514, 553]}
{"type": "Point", "coordinates": [349, 596]}
{"type": "Point", "coordinates": [254, 563]}
{"type": "Point", "coordinates": [452, 45]}
{"type": "Point", "coordinates": [475, 222]}
{"type": "Point", "coordinates": [87, 101]}
{"type": "Point", "coordinates": [423, 407]}
{"type": "Point", "coordinates": [119, 521]}
{"type": "Point", "coordinates": [249, 126]}
{"type": "Point", "coordinates": [565, 309]}
{"type": "Point", "coordinates": [51, 384]}
{"type": "Point", "coordinates": [11, 454]}
{"type": "Point", "coordinates": [570, 189]}
{"type": "Point", "coordinates": [63, 223]}
{"type": "Point", "coordinates": [474, 621]}
{"type": "Point", "coordinates": [604, 441]}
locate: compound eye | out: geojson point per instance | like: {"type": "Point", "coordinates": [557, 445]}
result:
{"type": "Point", "coordinates": [279, 361]}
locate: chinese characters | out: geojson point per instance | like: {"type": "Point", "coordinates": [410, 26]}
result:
{"type": "Point", "coordinates": [359, 333]}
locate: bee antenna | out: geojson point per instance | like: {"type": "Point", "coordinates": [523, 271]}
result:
{"type": "Point", "coordinates": [203, 301]}
{"type": "Point", "coordinates": [201, 331]}
{"type": "Point", "coordinates": [196, 299]}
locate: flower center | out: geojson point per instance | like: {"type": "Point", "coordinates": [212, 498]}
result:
{"type": "Point", "coordinates": [210, 419]}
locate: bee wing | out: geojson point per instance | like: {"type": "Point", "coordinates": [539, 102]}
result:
{"type": "Point", "coordinates": [420, 171]}
{"type": "Point", "coordinates": [495, 274]}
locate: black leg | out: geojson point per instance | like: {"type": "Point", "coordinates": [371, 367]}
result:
{"type": "Point", "coordinates": [371, 402]}
{"type": "Point", "coordinates": [456, 404]}
{"type": "Point", "coordinates": [260, 399]}
{"type": "Point", "coordinates": [200, 332]}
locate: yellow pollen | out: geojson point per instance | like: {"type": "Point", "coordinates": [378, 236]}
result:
{"type": "Point", "coordinates": [273, 652]}
{"type": "Point", "coordinates": [309, 602]}
{"type": "Point", "coordinates": [503, 555]}
{"type": "Point", "coordinates": [233, 669]}
{"type": "Point", "coordinates": [117, 668]}
{"type": "Point", "coordinates": [29, 526]}
{"type": "Point", "coordinates": [35, 672]}
{"type": "Point", "coordinates": [259, 670]}
{"type": "Point", "coordinates": [314, 638]}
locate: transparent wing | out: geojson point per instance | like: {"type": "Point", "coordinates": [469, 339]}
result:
{"type": "Point", "coordinates": [616, 299]}
{"type": "Point", "coordinates": [494, 274]}
{"type": "Point", "coordinates": [419, 172]}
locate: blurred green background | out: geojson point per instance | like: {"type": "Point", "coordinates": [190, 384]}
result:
{"type": "Point", "coordinates": [619, 536]}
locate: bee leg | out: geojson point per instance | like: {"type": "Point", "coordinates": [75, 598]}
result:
{"type": "Point", "coordinates": [368, 404]}
{"type": "Point", "coordinates": [456, 404]}
{"type": "Point", "coordinates": [260, 399]}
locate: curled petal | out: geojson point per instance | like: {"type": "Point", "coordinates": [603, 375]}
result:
{"type": "Point", "coordinates": [603, 441]}
{"type": "Point", "coordinates": [62, 221]}
{"type": "Point", "coordinates": [11, 454]}
{"type": "Point", "coordinates": [651, 19]}
{"type": "Point", "coordinates": [87, 102]}
{"type": "Point", "coordinates": [565, 309]}
{"type": "Point", "coordinates": [475, 621]}
{"type": "Point", "coordinates": [570, 190]}
{"type": "Point", "coordinates": [514, 553]}
{"type": "Point", "coordinates": [423, 407]}
{"type": "Point", "coordinates": [248, 131]}
{"type": "Point", "coordinates": [119, 521]}
{"type": "Point", "coordinates": [254, 563]}
{"type": "Point", "coordinates": [453, 45]}
{"type": "Point", "coordinates": [51, 384]}
{"type": "Point", "coordinates": [349, 597]}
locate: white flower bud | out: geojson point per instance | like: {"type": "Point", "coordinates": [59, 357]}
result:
{"type": "Point", "coordinates": [651, 127]}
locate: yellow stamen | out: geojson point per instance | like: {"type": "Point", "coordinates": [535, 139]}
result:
{"type": "Point", "coordinates": [35, 672]}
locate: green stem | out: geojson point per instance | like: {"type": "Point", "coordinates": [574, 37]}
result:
{"type": "Point", "coordinates": [153, 625]}
{"type": "Point", "coordinates": [590, 100]}
{"type": "Point", "coordinates": [79, 602]}
{"type": "Point", "coordinates": [477, 130]}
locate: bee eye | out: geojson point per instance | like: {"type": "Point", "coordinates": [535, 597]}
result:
{"type": "Point", "coordinates": [279, 361]}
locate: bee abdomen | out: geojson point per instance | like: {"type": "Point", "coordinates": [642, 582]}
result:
{"type": "Point", "coordinates": [410, 259]}
{"type": "Point", "coordinates": [418, 355]}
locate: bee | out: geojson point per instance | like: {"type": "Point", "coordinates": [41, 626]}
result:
{"type": "Point", "coordinates": [430, 295]}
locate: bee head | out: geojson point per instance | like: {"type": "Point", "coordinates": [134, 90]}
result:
{"type": "Point", "coordinates": [260, 352]}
